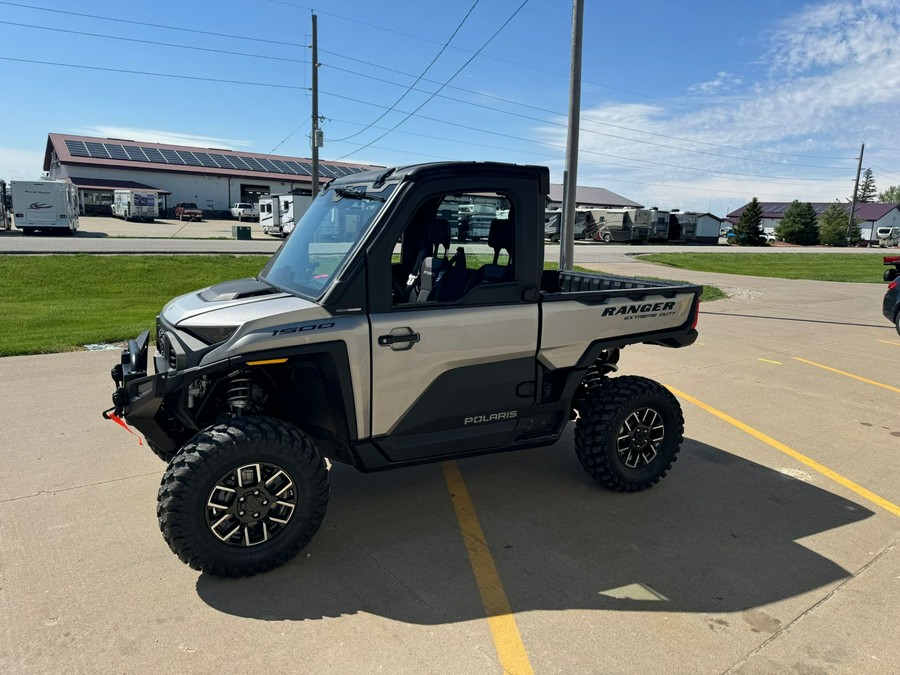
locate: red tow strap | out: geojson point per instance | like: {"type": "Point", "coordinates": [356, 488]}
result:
{"type": "Point", "coordinates": [118, 420]}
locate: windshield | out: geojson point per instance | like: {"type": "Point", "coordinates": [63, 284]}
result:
{"type": "Point", "coordinates": [323, 239]}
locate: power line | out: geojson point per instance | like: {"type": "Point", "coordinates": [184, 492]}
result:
{"type": "Point", "coordinates": [143, 72]}
{"type": "Point", "coordinates": [151, 42]}
{"type": "Point", "coordinates": [592, 131]}
{"type": "Point", "coordinates": [885, 172]}
{"type": "Point", "coordinates": [151, 25]}
{"type": "Point", "coordinates": [589, 152]}
{"type": "Point", "coordinates": [419, 77]}
{"type": "Point", "coordinates": [450, 79]}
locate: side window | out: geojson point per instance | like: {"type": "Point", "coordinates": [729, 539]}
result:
{"type": "Point", "coordinates": [453, 244]}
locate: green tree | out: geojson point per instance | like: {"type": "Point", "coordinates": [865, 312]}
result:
{"type": "Point", "coordinates": [748, 229]}
{"type": "Point", "coordinates": [833, 227]}
{"type": "Point", "coordinates": [799, 224]}
{"type": "Point", "coordinates": [891, 195]}
{"type": "Point", "coordinates": [866, 191]}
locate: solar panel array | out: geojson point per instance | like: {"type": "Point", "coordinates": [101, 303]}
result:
{"type": "Point", "coordinates": [211, 160]}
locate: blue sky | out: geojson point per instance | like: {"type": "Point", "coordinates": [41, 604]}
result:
{"type": "Point", "coordinates": [691, 105]}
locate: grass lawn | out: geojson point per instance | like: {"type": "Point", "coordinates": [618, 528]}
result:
{"type": "Point", "coordinates": [60, 303]}
{"type": "Point", "coordinates": [862, 267]}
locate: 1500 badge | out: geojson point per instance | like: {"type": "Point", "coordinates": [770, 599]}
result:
{"type": "Point", "coordinates": [302, 328]}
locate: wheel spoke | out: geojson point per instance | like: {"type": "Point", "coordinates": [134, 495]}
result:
{"type": "Point", "coordinates": [251, 504]}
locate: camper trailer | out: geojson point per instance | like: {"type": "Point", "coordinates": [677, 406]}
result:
{"type": "Point", "coordinates": [279, 213]}
{"type": "Point", "coordinates": [45, 205]}
{"type": "Point", "coordinates": [625, 224]}
{"type": "Point", "coordinates": [5, 217]}
{"type": "Point", "coordinates": [135, 205]}
{"type": "Point", "coordinates": [888, 236]}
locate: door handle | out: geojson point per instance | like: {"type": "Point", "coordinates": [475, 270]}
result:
{"type": "Point", "coordinates": [399, 339]}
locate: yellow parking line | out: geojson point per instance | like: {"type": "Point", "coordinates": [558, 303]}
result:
{"type": "Point", "coordinates": [777, 363]}
{"type": "Point", "coordinates": [781, 447]}
{"type": "Point", "coordinates": [841, 372]}
{"type": "Point", "coordinates": [502, 622]}
{"type": "Point", "coordinates": [887, 342]}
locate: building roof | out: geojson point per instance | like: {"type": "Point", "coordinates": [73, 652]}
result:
{"type": "Point", "coordinates": [592, 196]}
{"type": "Point", "coordinates": [866, 211]}
{"type": "Point", "coordinates": [126, 154]}
{"type": "Point", "coordinates": [111, 184]}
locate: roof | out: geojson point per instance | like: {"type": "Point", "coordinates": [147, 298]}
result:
{"type": "Point", "coordinates": [866, 211]}
{"type": "Point", "coordinates": [127, 154]}
{"type": "Point", "coordinates": [111, 184]}
{"type": "Point", "coordinates": [593, 196]}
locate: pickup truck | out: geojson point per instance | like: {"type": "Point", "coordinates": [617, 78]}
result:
{"type": "Point", "coordinates": [188, 210]}
{"type": "Point", "coordinates": [383, 349]}
{"type": "Point", "coordinates": [244, 210]}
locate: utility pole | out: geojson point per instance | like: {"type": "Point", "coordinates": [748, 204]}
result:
{"type": "Point", "coordinates": [855, 190]}
{"type": "Point", "coordinates": [567, 227]}
{"type": "Point", "coordinates": [315, 136]}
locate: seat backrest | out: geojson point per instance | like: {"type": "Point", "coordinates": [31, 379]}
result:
{"type": "Point", "coordinates": [502, 236]}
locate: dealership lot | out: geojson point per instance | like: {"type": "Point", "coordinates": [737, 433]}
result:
{"type": "Point", "coordinates": [771, 546]}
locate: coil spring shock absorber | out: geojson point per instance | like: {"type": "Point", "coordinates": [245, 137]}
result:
{"type": "Point", "coordinates": [239, 395]}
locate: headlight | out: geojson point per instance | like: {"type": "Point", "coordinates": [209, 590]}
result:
{"type": "Point", "coordinates": [211, 334]}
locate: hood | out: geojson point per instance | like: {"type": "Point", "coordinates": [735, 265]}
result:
{"type": "Point", "coordinates": [232, 303]}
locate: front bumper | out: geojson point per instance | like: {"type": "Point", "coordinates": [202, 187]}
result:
{"type": "Point", "coordinates": [138, 396]}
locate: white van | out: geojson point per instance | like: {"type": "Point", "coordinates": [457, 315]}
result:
{"type": "Point", "coordinates": [135, 204]}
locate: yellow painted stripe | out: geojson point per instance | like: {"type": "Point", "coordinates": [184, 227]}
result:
{"type": "Point", "coordinates": [508, 642]}
{"type": "Point", "coordinates": [266, 363]}
{"type": "Point", "coordinates": [777, 363]}
{"type": "Point", "coordinates": [790, 452]}
{"type": "Point", "coordinates": [889, 342]}
{"type": "Point", "coordinates": [841, 372]}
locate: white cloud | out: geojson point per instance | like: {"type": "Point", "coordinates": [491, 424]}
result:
{"type": "Point", "coordinates": [832, 82]}
{"type": "Point", "coordinates": [165, 137]}
{"type": "Point", "coordinates": [18, 164]}
{"type": "Point", "coordinates": [722, 82]}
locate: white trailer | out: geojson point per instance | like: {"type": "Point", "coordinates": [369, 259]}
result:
{"type": "Point", "coordinates": [5, 221]}
{"type": "Point", "coordinates": [888, 236]}
{"type": "Point", "coordinates": [135, 205]}
{"type": "Point", "coordinates": [279, 213]}
{"type": "Point", "coordinates": [45, 205]}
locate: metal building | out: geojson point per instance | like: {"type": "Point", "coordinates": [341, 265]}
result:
{"type": "Point", "coordinates": [212, 178]}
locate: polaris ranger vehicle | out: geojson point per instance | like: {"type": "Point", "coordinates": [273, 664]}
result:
{"type": "Point", "coordinates": [383, 349]}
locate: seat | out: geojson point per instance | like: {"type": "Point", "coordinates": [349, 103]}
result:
{"type": "Point", "coordinates": [430, 264]}
{"type": "Point", "coordinates": [502, 235]}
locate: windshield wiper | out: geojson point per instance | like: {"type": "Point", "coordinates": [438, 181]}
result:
{"type": "Point", "coordinates": [356, 194]}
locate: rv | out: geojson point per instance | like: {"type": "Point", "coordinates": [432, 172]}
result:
{"type": "Point", "coordinates": [625, 224]}
{"type": "Point", "coordinates": [45, 205]}
{"type": "Point", "coordinates": [135, 205]}
{"type": "Point", "coordinates": [5, 221]}
{"type": "Point", "coordinates": [279, 213]}
{"type": "Point", "coordinates": [888, 236]}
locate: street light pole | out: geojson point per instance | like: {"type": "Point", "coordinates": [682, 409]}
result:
{"type": "Point", "coordinates": [567, 227]}
{"type": "Point", "coordinates": [314, 136]}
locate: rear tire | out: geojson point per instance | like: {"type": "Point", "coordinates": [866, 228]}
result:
{"type": "Point", "coordinates": [243, 497]}
{"type": "Point", "coordinates": [897, 322]}
{"type": "Point", "coordinates": [628, 433]}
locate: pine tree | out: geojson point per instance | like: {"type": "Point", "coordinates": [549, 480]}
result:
{"type": "Point", "coordinates": [799, 224]}
{"type": "Point", "coordinates": [748, 229]}
{"type": "Point", "coordinates": [833, 226]}
{"type": "Point", "coordinates": [866, 191]}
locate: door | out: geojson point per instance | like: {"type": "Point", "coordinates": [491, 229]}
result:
{"type": "Point", "coordinates": [448, 379]}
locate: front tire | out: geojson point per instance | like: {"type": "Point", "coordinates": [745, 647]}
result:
{"type": "Point", "coordinates": [628, 433]}
{"type": "Point", "coordinates": [243, 497]}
